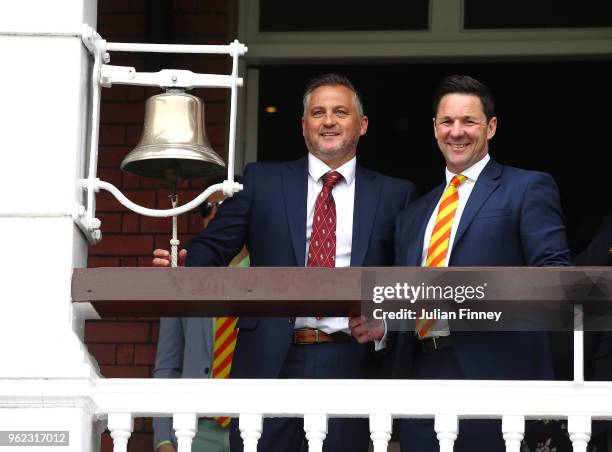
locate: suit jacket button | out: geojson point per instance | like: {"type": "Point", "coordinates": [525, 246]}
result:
{"type": "Point", "coordinates": [206, 370]}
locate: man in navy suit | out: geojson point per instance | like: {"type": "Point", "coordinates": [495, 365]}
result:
{"type": "Point", "coordinates": [273, 217]}
{"type": "Point", "coordinates": [504, 216]}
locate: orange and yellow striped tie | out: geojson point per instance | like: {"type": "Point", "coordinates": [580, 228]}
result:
{"type": "Point", "coordinates": [225, 343]}
{"type": "Point", "coordinates": [440, 236]}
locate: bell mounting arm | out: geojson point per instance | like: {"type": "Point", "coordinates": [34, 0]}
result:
{"type": "Point", "coordinates": [166, 78]}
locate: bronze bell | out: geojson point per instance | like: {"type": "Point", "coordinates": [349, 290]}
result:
{"type": "Point", "coordinates": [173, 145]}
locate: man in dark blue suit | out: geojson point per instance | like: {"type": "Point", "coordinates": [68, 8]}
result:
{"type": "Point", "coordinates": [273, 216]}
{"type": "Point", "coordinates": [503, 216]}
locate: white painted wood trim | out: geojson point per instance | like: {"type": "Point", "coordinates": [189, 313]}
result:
{"type": "Point", "coordinates": [445, 39]}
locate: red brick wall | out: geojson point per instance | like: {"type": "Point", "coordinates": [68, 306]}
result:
{"type": "Point", "coordinates": [126, 347]}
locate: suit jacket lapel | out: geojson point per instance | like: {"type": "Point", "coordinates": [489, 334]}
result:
{"type": "Point", "coordinates": [485, 185]}
{"type": "Point", "coordinates": [295, 188]}
{"type": "Point", "coordinates": [367, 193]}
{"type": "Point", "coordinates": [415, 252]}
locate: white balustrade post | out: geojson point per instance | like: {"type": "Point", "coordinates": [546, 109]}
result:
{"type": "Point", "coordinates": [315, 427]}
{"type": "Point", "coordinates": [185, 427]}
{"type": "Point", "coordinates": [380, 431]}
{"type": "Point", "coordinates": [578, 344]}
{"type": "Point", "coordinates": [579, 429]}
{"type": "Point", "coordinates": [513, 429]}
{"type": "Point", "coordinates": [250, 426]}
{"type": "Point", "coordinates": [446, 427]}
{"type": "Point", "coordinates": [120, 426]}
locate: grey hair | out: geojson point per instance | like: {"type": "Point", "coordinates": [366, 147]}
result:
{"type": "Point", "coordinates": [332, 79]}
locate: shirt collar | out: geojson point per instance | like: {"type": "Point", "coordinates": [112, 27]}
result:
{"type": "Point", "coordinates": [317, 168]}
{"type": "Point", "coordinates": [472, 172]}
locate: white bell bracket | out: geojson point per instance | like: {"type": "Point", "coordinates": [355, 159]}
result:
{"type": "Point", "coordinates": [105, 75]}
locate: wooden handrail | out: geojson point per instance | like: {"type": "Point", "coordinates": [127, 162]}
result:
{"type": "Point", "coordinates": [289, 291]}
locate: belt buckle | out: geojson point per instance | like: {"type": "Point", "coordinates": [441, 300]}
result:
{"type": "Point", "coordinates": [307, 340]}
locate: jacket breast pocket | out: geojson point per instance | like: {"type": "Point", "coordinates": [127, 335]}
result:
{"type": "Point", "coordinates": [492, 213]}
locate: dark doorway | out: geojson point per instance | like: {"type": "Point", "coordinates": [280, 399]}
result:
{"type": "Point", "coordinates": [553, 117]}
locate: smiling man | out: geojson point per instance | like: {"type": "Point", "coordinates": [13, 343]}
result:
{"type": "Point", "coordinates": [484, 214]}
{"type": "Point", "coordinates": [463, 127]}
{"type": "Point", "coordinates": [332, 123]}
{"type": "Point", "coordinates": [323, 210]}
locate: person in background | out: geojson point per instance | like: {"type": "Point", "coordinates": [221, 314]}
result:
{"type": "Point", "coordinates": [185, 349]}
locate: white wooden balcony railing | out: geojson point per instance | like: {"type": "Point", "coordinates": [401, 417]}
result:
{"type": "Point", "coordinates": [119, 401]}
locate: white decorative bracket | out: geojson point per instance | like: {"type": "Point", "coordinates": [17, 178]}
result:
{"type": "Point", "coordinates": [104, 75]}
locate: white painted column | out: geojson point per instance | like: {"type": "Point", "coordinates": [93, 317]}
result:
{"type": "Point", "coordinates": [446, 427]}
{"type": "Point", "coordinates": [121, 426]}
{"type": "Point", "coordinates": [250, 426]}
{"type": "Point", "coordinates": [579, 429]}
{"type": "Point", "coordinates": [513, 429]}
{"type": "Point", "coordinates": [45, 80]}
{"type": "Point", "coordinates": [381, 426]}
{"type": "Point", "coordinates": [185, 427]}
{"type": "Point", "coordinates": [315, 427]}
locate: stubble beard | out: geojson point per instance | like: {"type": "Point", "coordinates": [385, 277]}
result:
{"type": "Point", "coordinates": [345, 148]}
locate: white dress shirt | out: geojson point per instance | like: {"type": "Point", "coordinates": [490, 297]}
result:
{"type": "Point", "coordinates": [465, 189]}
{"type": "Point", "coordinates": [344, 198]}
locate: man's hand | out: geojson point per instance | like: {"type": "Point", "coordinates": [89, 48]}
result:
{"type": "Point", "coordinates": [161, 258]}
{"type": "Point", "coordinates": [166, 447]}
{"type": "Point", "coordinates": [366, 330]}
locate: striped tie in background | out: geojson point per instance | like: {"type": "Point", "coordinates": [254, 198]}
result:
{"type": "Point", "coordinates": [225, 343]}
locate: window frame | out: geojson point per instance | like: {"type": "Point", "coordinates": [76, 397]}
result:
{"type": "Point", "coordinates": [445, 40]}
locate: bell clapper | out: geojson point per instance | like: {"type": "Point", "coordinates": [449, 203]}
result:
{"type": "Point", "coordinates": [174, 241]}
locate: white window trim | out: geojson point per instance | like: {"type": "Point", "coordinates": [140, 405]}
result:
{"type": "Point", "coordinates": [445, 40]}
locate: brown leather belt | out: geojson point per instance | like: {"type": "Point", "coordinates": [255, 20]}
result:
{"type": "Point", "coordinates": [310, 336]}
